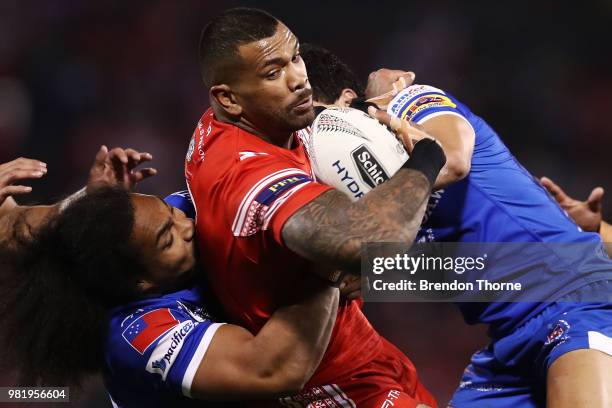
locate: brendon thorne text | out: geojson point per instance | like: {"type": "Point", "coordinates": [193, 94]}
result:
{"type": "Point", "coordinates": [424, 285]}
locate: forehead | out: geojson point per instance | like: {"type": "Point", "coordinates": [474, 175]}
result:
{"type": "Point", "coordinates": [150, 214]}
{"type": "Point", "coordinates": [281, 44]}
{"type": "Point", "coordinates": [146, 202]}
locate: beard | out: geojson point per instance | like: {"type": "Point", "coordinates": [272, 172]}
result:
{"type": "Point", "coordinates": [277, 123]}
{"type": "Point", "coordinates": [287, 120]}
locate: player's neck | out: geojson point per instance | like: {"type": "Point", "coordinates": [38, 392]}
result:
{"type": "Point", "coordinates": [281, 139]}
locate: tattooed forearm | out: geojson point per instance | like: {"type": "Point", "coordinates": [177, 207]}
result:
{"type": "Point", "coordinates": [331, 228]}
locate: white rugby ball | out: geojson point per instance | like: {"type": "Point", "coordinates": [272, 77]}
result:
{"type": "Point", "coordinates": [353, 152]}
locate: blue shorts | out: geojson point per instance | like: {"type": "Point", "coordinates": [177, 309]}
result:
{"type": "Point", "coordinates": [511, 371]}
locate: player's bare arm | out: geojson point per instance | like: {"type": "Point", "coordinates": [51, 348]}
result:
{"type": "Point", "coordinates": [279, 360]}
{"type": "Point", "coordinates": [115, 167]}
{"type": "Point", "coordinates": [457, 139]}
{"type": "Point", "coordinates": [454, 133]}
{"type": "Point", "coordinates": [331, 228]}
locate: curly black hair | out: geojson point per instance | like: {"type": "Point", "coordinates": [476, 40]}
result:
{"type": "Point", "coordinates": [328, 75]}
{"type": "Point", "coordinates": [55, 295]}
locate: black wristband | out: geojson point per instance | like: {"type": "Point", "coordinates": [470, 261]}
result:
{"type": "Point", "coordinates": [428, 158]}
{"type": "Point", "coordinates": [361, 104]}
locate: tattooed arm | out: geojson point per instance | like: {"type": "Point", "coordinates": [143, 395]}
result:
{"type": "Point", "coordinates": [331, 228]}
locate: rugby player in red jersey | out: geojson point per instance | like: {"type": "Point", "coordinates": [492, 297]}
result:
{"type": "Point", "coordinates": [266, 221]}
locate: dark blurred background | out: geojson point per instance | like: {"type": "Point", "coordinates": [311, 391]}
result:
{"type": "Point", "coordinates": [75, 75]}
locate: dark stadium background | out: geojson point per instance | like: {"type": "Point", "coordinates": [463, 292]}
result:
{"type": "Point", "coordinates": [76, 74]}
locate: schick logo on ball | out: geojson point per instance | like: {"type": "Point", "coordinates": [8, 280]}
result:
{"type": "Point", "coordinates": [369, 168]}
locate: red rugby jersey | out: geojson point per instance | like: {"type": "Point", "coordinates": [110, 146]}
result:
{"type": "Point", "coordinates": [244, 190]}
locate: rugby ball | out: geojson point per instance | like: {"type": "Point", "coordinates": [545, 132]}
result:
{"type": "Point", "coordinates": [353, 152]}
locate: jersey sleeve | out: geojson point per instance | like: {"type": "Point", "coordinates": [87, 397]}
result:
{"type": "Point", "coordinates": [419, 103]}
{"type": "Point", "coordinates": [263, 192]}
{"type": "Point", "coordinates": [163, 347]}
{"type": "Point", "coordinates": [182, 200]}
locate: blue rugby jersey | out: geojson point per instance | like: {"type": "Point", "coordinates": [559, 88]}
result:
{"type": "Point", "coordinates": [155, 345]}
{"type": "Point", "coordinates": [182, 200]}
{"type": "Point", "coordinates": [500, 201]}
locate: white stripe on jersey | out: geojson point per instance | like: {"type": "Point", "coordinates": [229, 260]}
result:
{"type": "Point", "coordinates": [197, 358]}
{"type": "Point", "coordinates": [243, 209]}
{"type": "Point", "coordinates": [113, 403]}
{"type": "Point", "coordinates": [441, 113]}
{"type": "Point", "coordinates": [601, 342]}
{"type": "Point", "coordinates": [340, 397]}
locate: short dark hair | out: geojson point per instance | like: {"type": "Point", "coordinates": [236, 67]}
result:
{"type": "Point", "coordinates": [328, 75]}
{"type": "Point", "coordinates": [54, 299]}
{"type": "Point", "coordinates": [222, 36]}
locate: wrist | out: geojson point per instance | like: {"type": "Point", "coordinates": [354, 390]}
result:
{"type": "Point", "coordinates": [605, 231]}
{"type": "Point", "coordinates": [428, 158]}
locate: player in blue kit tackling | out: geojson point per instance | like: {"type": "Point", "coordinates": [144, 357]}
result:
{"type": "Point", "coordinates": [104, 281]}
{"type": "Point", "coordinates": [557, 352]}
{"type": "Point", "coordinates": [499, 201]}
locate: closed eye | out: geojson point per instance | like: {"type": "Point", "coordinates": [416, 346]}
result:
{"type": "Point", "coordinates": [166, 229]}
{"type": "Point", "coordinates": [273, 75]}
{"type": "Point", "coordinates": [169, 243]}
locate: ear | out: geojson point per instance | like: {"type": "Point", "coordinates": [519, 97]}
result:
{"type": "Point", "coordinates": [346, 97]}
{"type": "Point", "coordinates": [223, 96]}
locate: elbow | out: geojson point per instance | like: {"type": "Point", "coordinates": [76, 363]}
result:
{"type": "Point", "coordinates": [295, 377]}
{"type": "Point", "coordinates": [293, 385]}
{"type": "Point", "coordinates": [284, 382]}
{"type": "Point", "coordinates": [458, 168]}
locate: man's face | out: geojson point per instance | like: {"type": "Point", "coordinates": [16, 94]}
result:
{"type": "Point", "coordinates": [272, 86]}
{"type": "Point", "coordinates": [166, 238]}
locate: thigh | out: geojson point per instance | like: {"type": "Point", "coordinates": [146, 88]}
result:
{"type": "Point", "coordinates": [578, 358]}
{"type": "Point", "coordinates": [580, 378]}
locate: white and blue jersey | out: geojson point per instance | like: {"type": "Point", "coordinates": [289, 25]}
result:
{"type": "Point", "coordinates": [182, 200]}
{"type": "Point", "coordinates": [500, 201]}
{"type": "Point", "coordinates": [155, 345]}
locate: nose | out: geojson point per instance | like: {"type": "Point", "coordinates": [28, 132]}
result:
{"type": "Point", "coordinates": [187, 229]}
{"type": "Point", "coordinates": [297, 77]}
